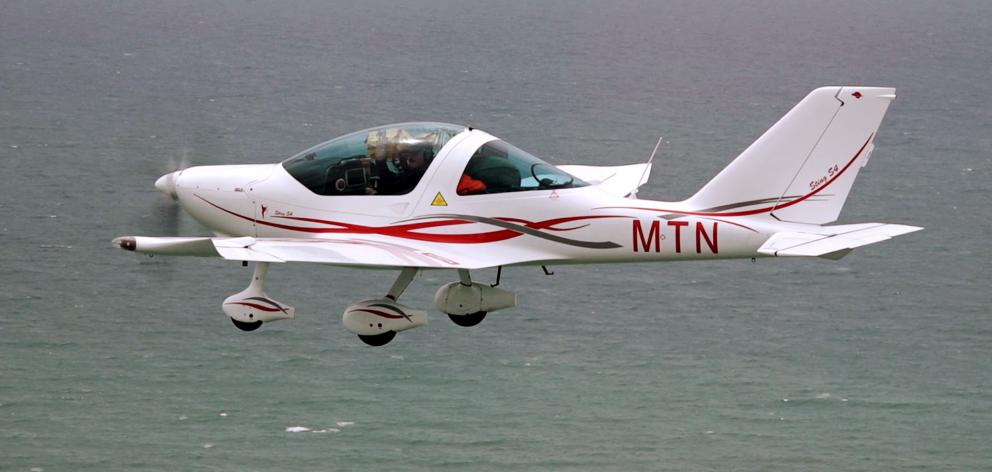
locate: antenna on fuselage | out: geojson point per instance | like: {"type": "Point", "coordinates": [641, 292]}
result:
{"type": "Point", "coordinates": [633, 195]}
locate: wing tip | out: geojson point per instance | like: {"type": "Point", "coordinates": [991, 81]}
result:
{"type": "Point", "coordinates": [127, 243]}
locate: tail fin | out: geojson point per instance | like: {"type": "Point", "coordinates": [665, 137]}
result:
{"type": "Point", "coordinates": [803, 167]}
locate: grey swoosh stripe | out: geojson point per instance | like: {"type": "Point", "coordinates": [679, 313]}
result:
{"type": "Point", "coordinates": [732, 206]}
{"type": "Point", "coordinates": [527, 231]}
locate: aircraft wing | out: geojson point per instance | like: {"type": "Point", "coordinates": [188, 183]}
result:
{"type": "Point", "coordinates": [615, 180]}
{"type": "Point", "coordinates": [831, 242]}
{"type": "Point", "coordinates": [368, 251]}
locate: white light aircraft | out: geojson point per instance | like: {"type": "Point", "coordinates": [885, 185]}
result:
{"type": "Point", "coordinates": [417, 196]}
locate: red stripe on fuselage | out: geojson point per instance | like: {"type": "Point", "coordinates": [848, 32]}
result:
{"type": "Point", "coordinates": [406, 231]}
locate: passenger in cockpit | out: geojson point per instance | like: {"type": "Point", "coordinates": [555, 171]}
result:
{"type": "Point", "coordinates": [469, 185]}
{"type": "Point", "coordinates": [489, 173]}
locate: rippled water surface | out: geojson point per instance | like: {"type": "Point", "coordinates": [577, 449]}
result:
{"type": "Point", "coordinates": [113, 361]}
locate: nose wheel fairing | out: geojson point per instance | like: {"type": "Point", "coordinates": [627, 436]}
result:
{"type": "Point", "coordinates": [467, 302]}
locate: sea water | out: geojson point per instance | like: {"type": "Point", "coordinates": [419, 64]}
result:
{"type": "Point", "coordinates": [118, 361]}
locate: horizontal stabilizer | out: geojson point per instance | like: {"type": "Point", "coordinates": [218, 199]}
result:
{"type": "Point", "coordinates": [615, 180]}
{"type": "Point", "coordinates": [832, 242]}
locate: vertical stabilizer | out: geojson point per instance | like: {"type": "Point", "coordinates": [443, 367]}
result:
{"type": "Point", "coordinates": [802, 169]}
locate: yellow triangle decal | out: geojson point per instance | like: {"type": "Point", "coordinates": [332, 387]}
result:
{"type": "Point", "coordinates": [439, 201]}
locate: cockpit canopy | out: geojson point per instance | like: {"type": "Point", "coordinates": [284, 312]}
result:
{"type": "Point", "coordinates": [391, 160]}
{"type": "Point", "coordinates": [387, 160]}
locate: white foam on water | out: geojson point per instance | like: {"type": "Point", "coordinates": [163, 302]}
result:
{"type": "Point", "coordinates": [208, 446]}
{"type": "Point", "coordinates": [223, 414]}
{"type": "Point", "coordinates": [297, 429]}
{"type": "Point", "coordinates": [345, 423]}
{"type": "Point", "coordinates": [823, 396]}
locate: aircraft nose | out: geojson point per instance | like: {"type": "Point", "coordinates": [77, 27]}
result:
{"type": "Point", "coordinates": [167, 184]}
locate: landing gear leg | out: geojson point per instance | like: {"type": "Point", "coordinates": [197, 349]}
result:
{"type": "Point", "coordinates": [402, 282]}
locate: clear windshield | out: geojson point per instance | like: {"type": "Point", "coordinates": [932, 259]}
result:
{"type": "Point", "coordinates": [388, 160]}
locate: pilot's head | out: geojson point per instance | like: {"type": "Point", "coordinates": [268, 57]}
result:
{"type": "Point", "coordinates": [413, 159]}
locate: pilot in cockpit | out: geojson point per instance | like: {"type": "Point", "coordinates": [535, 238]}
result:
{"type": "Point", "coordinates": [410, 165]}
{"type": "Point", "coordinates": [399, 159]}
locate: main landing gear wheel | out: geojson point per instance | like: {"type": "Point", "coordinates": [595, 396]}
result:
{"type": "Point", "coordinates": [468, 320]}
{"type": "Point", "coordinates": [377, 339]}
{"type": "Point", "coordinates": [247, 325]}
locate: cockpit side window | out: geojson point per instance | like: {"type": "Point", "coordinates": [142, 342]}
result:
{"type": "Point", "coordinates": [389, 160]}
{"type": "Point", "coordinates": [498, 167]}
